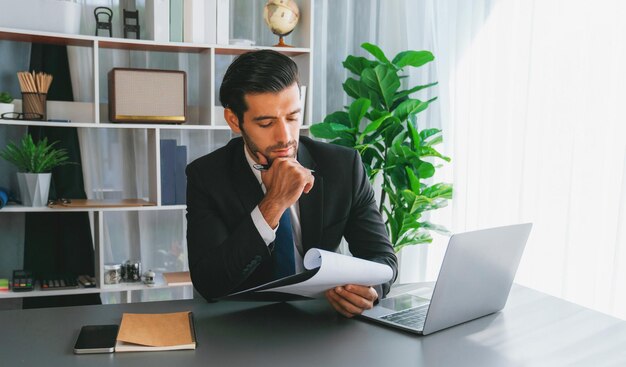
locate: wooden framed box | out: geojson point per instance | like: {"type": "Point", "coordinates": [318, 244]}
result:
{"type": "Point", "coordinates": [147, 95]}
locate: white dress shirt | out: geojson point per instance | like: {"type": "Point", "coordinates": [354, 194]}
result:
{"type": "Point", "coordinates": [267, 233]}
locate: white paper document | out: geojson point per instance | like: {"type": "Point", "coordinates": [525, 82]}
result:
{"type": "Point", "coordinates": [325, 270]}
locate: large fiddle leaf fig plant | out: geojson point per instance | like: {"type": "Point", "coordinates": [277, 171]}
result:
{"type": "Point", "coordinates": [381, 125]}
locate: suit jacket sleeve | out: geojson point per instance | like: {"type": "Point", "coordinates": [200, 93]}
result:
{"type": "Point", "coordinates": [365, 230]}
{"type": "Point", "coordinates": [220, 258]}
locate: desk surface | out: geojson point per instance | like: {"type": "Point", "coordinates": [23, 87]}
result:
{"type": "Point", "coordinates": [534, 329]}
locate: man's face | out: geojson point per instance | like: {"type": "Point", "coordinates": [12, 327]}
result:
{"type": "Point", "coordinates": [271, 125]}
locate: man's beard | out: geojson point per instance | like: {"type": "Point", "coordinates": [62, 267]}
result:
{"type": "Point", "coordinates": [254, 149]}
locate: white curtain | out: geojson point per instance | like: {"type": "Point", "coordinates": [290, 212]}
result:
{"type": "Point", "coordinates": [529, 101]}
{"type": "Point", "coordinates": [536, 131]}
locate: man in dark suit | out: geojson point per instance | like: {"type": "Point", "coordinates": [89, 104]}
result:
{"type": "Point", "coordinates": [256, 205]}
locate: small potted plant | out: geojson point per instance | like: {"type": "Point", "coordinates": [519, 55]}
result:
{"type": "Point", "coordinates": [6, 103]}
{"type": "Point", "coordinates": [34, 163]}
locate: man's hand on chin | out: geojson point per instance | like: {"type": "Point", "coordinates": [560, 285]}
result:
{"type": "Point", "coordinates": [351, 300]}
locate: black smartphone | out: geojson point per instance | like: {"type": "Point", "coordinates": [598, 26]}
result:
{"type": "Point", "coordinates": [96, 339]}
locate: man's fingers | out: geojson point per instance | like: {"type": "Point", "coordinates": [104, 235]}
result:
{"type": "Point", "coordinates": [357, 300]}
{"type": "Point", "coordinates": [350, 305]}
{"type": "Point", "coordinates": [336, 305]}
{"type": "Point", "coordinates": [363, 291]}
{"type": "Point", "coordinates": [261, 158]}
{"type": "Point", "coordinates": [309, 185]}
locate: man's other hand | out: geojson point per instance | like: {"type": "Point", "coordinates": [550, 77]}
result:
{"type": "Point", "coordinates": [351, 300]}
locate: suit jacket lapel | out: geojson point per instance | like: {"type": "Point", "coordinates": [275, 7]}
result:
{"type": "Point", "coordinates": [246, 184]}
{"type": "Point", "coordinates": [311, 204]}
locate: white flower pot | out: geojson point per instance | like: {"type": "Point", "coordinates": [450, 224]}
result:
{"type": "Point", "coordinates": [6, 107]}
{"type": "Point", "coordinates": [34, 188]}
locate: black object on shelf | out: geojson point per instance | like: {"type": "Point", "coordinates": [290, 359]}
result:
{"type": "Point", "coordinates": [56, 283]}
{"type": "Point", "coordinates": [129, 17]}
{"type": "Point", "coordinates": [22, 281]}
{"type": "Point", "coordinates": [103, 19]}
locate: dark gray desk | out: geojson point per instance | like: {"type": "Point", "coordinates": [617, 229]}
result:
{"type": "Point", "coordinates": [533, 330]}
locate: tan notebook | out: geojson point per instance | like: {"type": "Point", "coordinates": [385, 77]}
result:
{"type": "Point", "coordinates": [178, 277]}
{"type": "Point", "coordinates": [154, 332]}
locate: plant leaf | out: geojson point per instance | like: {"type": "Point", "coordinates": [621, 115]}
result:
{"type": "Point", "coordinates": [425, 170]}
{"type": "Point", "coordinates": [412, 58]}
{"type": "Point", "coordinates": [435, 227]}
{"type": "Point", "coordinates": [355, 88]}
{"type": "Point", "coordinates": [408, 108]}
{"type": "Point", "coordinates": [438, 190]}
{"type": "Point", "coordinates": [427, 151]}
{"type": "Point", "coordinates": [406, 93]}
{"type": "Point", "coordinates": [374, 125]}
{"type": "Point", "coordinates": [384, 81]}
{"type": "Point", "coordinates": [427, 133]}
{"type": "Point", "coordinates": [376, 52]}
{"type": "Point", "coordinates": [356, 64]}
{"type": "Point", "coordinates": [330, 130]}
{"type": "Point", "coordinates": [339, 117]}
{"type": "Point", "coordinates": [357, 111]}
{"type": "Point", "coordinates": [413, 180]}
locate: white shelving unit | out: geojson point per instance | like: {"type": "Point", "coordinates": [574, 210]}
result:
{"type": "Point", "coordinates": [94, 115]}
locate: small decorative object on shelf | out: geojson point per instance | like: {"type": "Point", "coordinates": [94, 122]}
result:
{"type": "Point", "coordinates": [34, 88]}
{"type": "Point", "coordinates": [34, 163]}
{"type": "Point", "coordinates": [281, 16]}
{"type": "Point", "coordinates": [131, 23]}
{"type": "Point", "coordinates": [87, 281]}
{"type": "Point", "coordinates": [147, 96]}
{"type": "Point", "coordinates": [131, 271]}
{"type": "Point", "coordinates": [112, 273]}
{"type": "Point", "coordinates": [103, 19]}
{"type": "Point", "coordinates": [148, 278]}
{"type": "Point", "coordinates": [4, 197]}
{"type": "Point", "coordinates": [6, 103]}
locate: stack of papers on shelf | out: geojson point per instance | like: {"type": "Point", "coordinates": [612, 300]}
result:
{"type": "Point", "coordinates": [156, 332]}
{"type": "Point", "coordinates": [178, 277]}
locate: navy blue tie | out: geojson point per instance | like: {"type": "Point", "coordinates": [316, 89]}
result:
{"type": "Point", "coordinates": [284, 263]}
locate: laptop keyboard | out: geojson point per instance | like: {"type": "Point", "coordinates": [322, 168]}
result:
{"type": "Point", "coordinates": [413, 317]}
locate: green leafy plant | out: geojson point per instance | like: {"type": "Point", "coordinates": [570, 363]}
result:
{"type": "Point", "coordinates": [29, 157]}
{"type": "Point", "coordinates": [381, 125]}
{"type": "Point", "coordinates": [5, 97]}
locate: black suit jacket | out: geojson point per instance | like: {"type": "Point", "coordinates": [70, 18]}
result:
{"type": "Point", "coordinates": [226, 252]}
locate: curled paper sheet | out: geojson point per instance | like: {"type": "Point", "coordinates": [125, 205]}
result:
{"type": "Point", "coordinates": [325, 270]}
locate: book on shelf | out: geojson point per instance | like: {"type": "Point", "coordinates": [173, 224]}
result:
{"type": "Point", "coordinates": [199, 20]}
{"type": "Point", "coordinates": [176, 20]}
{"type": "Point", "coordinates": [168, 172]}
{"type": "Point", "coordinates": [173, 177]}
{"type": "Point", "coordinates": [222, 34]}
{"type": "Point", "coordinates": [302, 101]}
{"type": "Point", "coordinates": [180, 178]}
{"type": "Point", "coordinates": [177, 277]}
{"type": "Point", "coordinates": [157, 17]}
{"type": "Point", "coordinates": [156, 332]}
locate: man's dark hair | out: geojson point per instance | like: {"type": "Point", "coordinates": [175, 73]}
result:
{"type": "Point", "coordinates": [254, 73]}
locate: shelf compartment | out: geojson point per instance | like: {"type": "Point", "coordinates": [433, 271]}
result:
{"type": "Point", "coordinates": [122, 287]}
{"type": "Point", "coordinates": [21, 35]}
{"type": "Point", "coordinates": [14, 208]}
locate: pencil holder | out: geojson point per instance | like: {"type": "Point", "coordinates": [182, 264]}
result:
{"type": "Point", "coordinates": [34, 103]}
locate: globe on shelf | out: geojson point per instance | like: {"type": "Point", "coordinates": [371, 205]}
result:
{"type": "Point", "coordinates": [281, 16]}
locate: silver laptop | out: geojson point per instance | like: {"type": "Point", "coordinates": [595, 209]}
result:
{"type": "Point", "coordinates": [474, 281]}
